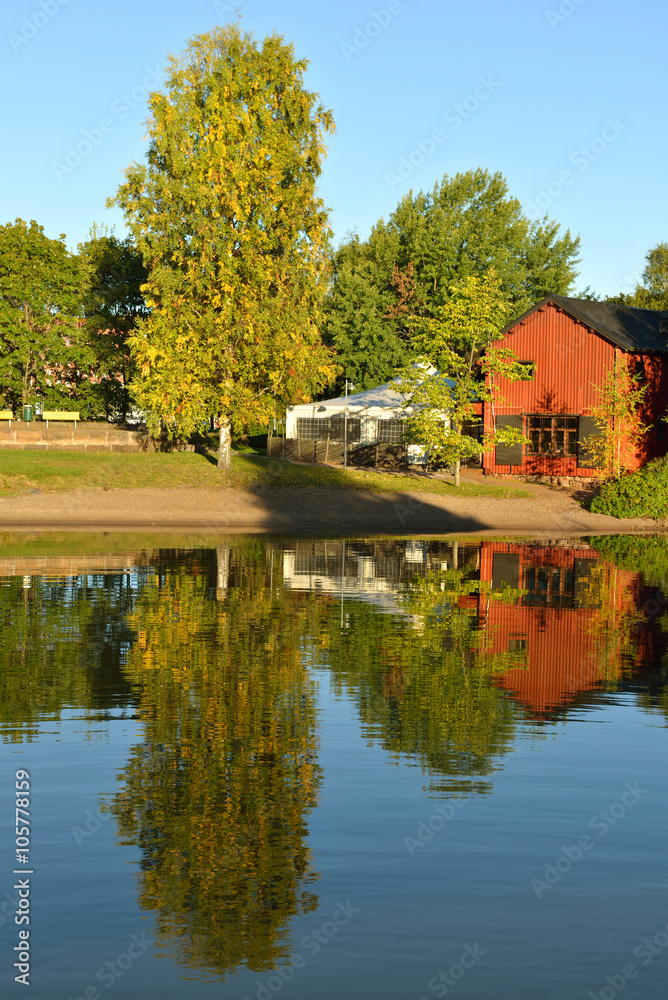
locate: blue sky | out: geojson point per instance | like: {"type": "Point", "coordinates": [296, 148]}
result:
{"type": "Point", "coordinates": [566, 98]}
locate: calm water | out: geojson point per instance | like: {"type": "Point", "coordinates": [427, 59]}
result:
{"type": "Point", "coordinates": [324, 769]}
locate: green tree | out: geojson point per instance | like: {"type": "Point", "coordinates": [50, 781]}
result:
{"type": "Point", "coordinates": [113, 304]}
{"type": "Point", "coordinates": [43, 352]}
{"type": "Point", "coordinates": [226, 216]}
{"type": "Point", "coordinates": [357, 322]}
{"type": "Point", "coordinates": [465, 226]}
{"type": "Point", "coordinates": [655, 275]}
{"type": "Point", "coordinates": [653, 293]}
{"type": "Point", "coordinates": [451, 341]}
{"type": "Point", "coordinates": [618, 416]}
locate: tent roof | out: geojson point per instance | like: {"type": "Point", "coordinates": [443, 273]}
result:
{"type": "Point", "coordinates": [386, 396]}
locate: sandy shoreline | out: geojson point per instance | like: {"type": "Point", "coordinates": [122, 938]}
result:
{"type": "Point", "coordinates": [310, 510]}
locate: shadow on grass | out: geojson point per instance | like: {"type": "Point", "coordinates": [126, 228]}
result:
{"type": "Point", "coordinates": [259, 495]}
{"type": "Point", "coordinates": [212, 457]}
{"type": "Point", "coordinates": [324, 499]}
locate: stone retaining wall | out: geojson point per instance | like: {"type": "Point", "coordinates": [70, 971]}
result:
{"type": "Point", "coordinates": [94, 437]}
{"type": "Point", "coordinates": [65, 565]}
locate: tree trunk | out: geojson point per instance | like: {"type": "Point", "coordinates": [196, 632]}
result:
{"type": "Point", "coordinates": [222, 572]}
{"type": "Point", "coordinates": [224, 446]}
{"type": "Point", "coordinates": [457, 465]}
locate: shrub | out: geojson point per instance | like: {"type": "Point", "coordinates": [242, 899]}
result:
{"type": "Point", "coordinates": [643, 493]}
{"type": "Point", "coordinates": [646, 554]}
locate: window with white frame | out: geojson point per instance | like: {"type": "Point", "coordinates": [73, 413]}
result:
{"type": "Point", "coordinates": [390, 430]}
{"type": "Point", "coordinates": [329, 428]}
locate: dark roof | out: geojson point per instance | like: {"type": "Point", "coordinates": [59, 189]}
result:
{"type": "Point", "coordinates": [629, 328]}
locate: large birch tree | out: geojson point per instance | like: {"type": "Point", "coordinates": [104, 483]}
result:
{"type": "Point", "coordinates": [227, 218]}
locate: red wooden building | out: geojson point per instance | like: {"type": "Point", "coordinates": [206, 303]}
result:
{"type": "Point", "coordinates": [573, 343]}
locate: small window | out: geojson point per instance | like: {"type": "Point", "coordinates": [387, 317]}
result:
{"type": "Point", "coordinates": [326, 428]}
{"type": "Point", "coordinates": [314, 428]}
{"type": "Point", "coordinates": [339, 433]}
{"type": "Point", "coordinates": [640, 371]}
{"type": "Point", "coordinates": [518, 643]}
{"type": "Point", "coordinates": [531, 365]}
{"type": "Point", "coordinates": [390, 431]}
{"type": "Point", "coordinates": [552, 435]}
{"type": "Point", "coordinates": [661, 431]}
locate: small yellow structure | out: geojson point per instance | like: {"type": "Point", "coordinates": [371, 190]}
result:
{"type": "Point", "coordinates": [60, 415]}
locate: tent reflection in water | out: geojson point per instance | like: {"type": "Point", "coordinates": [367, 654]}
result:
{"type": "Point", "coordinates": [372, 423]}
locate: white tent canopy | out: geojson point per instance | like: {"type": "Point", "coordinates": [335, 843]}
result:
{"type": "Point", "coordinates": [373, 416]}
{"type": "Point", "coordinates": [384, 396]}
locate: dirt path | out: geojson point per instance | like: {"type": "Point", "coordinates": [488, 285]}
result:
{"type": "Point", "coordinates": [546, 511]}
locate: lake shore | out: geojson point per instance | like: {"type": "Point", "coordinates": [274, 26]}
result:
{"type": "Point", "coordinates": [545, 512]}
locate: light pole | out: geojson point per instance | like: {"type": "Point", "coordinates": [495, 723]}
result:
{"type": "Point", "coordinates": [345, 427]}
{"type": "Point", "coordinates": [345, 431]}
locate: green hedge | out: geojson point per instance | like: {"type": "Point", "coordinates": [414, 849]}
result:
{"type": "Point", "coordinates": [638, 494]}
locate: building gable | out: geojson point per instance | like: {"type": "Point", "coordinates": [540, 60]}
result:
{"type": "Point", "coordinates": [629, 328]}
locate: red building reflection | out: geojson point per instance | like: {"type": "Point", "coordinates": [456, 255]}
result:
{"type": "Point", "coordinates": [566, 620]}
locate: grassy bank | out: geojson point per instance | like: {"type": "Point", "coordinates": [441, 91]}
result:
{"type": "Point", "coordinates": [24, 471]}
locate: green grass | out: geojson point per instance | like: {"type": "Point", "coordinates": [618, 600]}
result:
{"type": "Point", "coordinates": [21, 472]}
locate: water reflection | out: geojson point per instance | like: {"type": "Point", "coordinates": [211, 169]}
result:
{"type": "Point", "coordinates": [446, 649]}
{"type": "Point", "coordinates": [63, 641]}
{"type": "Point", "coordinates": [574, 621]}
{"type": "Point", "coordinates": [218, 794]}
{"type": "Point", "coordinates": [421, 677]}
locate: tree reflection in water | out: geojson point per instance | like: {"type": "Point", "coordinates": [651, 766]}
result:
{"type": "Point", "coordinates": [421, 678]}
{"type": "Point", "coordinates": [218, 794]}
{"type": "Point", "coordinates": [445, 650]}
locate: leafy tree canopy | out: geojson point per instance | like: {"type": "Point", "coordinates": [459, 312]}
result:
{"type": "Point", "coordinates": [452, 340]}
{"type": "Point", "coordinates": [655, 275]}
{"type": "Point", "coordinates": [653, 292]}
{"type": "Point", "coordinates": [113, 303]}
{"type": "Point", "coordinates": [465, 226]}
{"type": "Point", "coordinates": [42, 348]}
{"type": "Point", "coordinates": [226, 216]}
{"type": "Point", "coordinates": [218, 794]}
